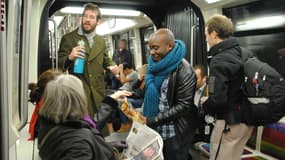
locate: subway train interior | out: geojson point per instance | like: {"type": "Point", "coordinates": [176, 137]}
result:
{"type": "Point", "coordinates": [31, 31]}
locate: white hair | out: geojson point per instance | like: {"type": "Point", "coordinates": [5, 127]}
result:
{"type": "Point", "coordinates": [64, 99]}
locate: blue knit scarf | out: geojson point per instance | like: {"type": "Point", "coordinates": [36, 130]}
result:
{"type": "Point", "coordinates": [156, 73]}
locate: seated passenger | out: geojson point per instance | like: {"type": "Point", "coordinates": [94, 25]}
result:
{"type": "Point", "coordinates": [136, 98]}
{"type": "Point", "coordinates": [63, 134]}
{"type": "Point", "coordinates": [36, 93]}
{"type": "Point", "coordinates": [203, 131]}
{"type": "Point", "coordinates": [128, 77]}
{"type": "Point", "coordinates": [138, 89]}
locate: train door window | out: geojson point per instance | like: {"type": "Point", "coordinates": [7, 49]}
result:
{"type": "Point", "coordinates": [145, 34]}
{"type": "Point", "coordinates": [14, 34]}
{"type": "Point", "coordinates": [132, 47]}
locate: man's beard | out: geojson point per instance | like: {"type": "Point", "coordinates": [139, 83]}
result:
{"type": "Point", "coordinates": [90, 30]}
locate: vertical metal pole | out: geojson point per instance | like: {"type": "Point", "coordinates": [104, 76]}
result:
{"type": "Point", "coordinates": [192, 44]}
{"type": "Point", "coordinates": [54, 50]}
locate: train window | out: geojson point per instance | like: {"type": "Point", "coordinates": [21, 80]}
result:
{"type": "Point", "coordinates": [145, 34]}
{"type": "Point", "coordinates": [265, 39]}
{"type": "Point", "coordinates": [256, 15]}
{"type": "Point", "coordinates": [269, 48]}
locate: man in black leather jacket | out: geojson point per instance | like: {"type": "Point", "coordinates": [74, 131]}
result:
{"type": "Point", "coordinates": [225, 96]}
{"type": "Point", "coordinates": [170, 87]}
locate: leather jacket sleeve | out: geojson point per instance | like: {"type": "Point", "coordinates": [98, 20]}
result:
{"type": "Point", "coordinates": [108, 107]}
{"type": "Point", "coordinates": [180, 94]}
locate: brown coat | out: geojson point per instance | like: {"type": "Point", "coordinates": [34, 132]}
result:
{"type": "Point", "coordinates": [96, 60]}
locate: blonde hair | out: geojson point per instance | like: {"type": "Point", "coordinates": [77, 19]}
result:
{"type": "Point", "coordinates": [64, 99]}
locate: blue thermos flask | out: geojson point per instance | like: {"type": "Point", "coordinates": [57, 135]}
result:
{"type": "Point", "coordinates": [79, 62]}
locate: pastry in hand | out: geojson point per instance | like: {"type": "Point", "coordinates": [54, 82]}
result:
{"type": "Point", "coordinates": [130, 112]}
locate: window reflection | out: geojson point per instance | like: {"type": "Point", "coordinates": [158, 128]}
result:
{"type": "Point", "coordinates": [269, 48]}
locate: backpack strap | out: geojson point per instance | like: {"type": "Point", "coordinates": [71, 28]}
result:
{"type": "Point", "coordinates": [245, 53]}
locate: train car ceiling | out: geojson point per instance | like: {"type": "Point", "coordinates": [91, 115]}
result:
{"type": "Point", "coordinates": [216, 4]}
{"type": "Point", "coordinates": [114, 20]}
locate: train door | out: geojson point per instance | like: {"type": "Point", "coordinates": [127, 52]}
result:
{"type": "Point", "coordinates": [15, 24]}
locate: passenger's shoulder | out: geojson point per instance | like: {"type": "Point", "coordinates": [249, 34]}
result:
{"type": "Point", "coordinates": [72, 33]}
{"type": "Point", "coordinates": [185, 67]}
{"type": "Point", "coordinates": [99, 37]}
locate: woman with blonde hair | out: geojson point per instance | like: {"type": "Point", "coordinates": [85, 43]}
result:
{"type": "Point", "coordinates": [63, 133]}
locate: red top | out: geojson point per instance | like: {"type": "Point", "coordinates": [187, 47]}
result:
{"type": "Point", "coordinates": [34, 119]}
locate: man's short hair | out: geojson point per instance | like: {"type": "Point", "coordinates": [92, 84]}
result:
{"type": "Point", "coordinates": [220, 24]}
{"type": "Point", "coordinates": [123, 40]}
{"type": "Point", "coordinates": [93, 7]}
{"type": "Point", "coordinates": [126, 66]}
{"type": "Point", "coordinates": [202, 69]}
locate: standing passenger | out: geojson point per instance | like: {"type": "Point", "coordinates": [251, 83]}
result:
{"type": "Point", "coordinates": [121, 56]}
{"type": "Point", "coordinates": [96, 57]}
{"type": "Point", "coordinates": [170, 88]}
{"type": "Point", "coordinates": [225, 96]}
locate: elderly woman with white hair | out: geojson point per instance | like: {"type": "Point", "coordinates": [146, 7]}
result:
{"type": "Point", "coordinates": [63, 132]}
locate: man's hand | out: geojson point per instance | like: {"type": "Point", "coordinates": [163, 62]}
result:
{"type": "Point", "coordinates": [121, 67]}
{"type": "Point", "coordinates": [120, 94]}
{"type": "Point", "coordinates": [143, 119]}
{"type": "Point", "coordinates": [140, 118]}
{"type": "Point", "coordinates": [76, 53]}
{"type": "Point", "coordinates": [114, 69]}
{"type": "Point", "coordinates": [203, 100]}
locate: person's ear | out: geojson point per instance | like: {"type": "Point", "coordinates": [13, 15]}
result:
{"type": "Point", "coordinates": [99, 21]}
{"type": "Point", "coordinates": [204, 79]}
{"type": "Point", "coordinates": [170, 46]}
{"type": "Point", "coordinates": [214, 34]}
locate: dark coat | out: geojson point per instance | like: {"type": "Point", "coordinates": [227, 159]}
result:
{"type": "Point", "coordinates": [96, 61]}
{"type": "Point", "coordinates": [180, 96]}
{"type": "Point", "coordinates": [76, 139]}
{"type": "Point", "coordinates": [124, 56]}
{"type": "Point", "coordinates": [225, 79]}
{"type": "Point", "coordinates": [72, 140]}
